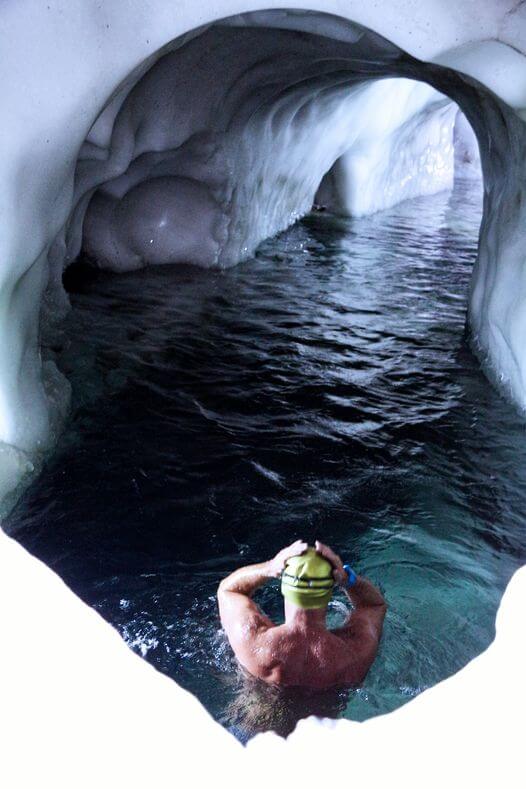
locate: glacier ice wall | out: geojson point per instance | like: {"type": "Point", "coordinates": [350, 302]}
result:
{"type": "Point", "coordinates": [467, 154]}
{"type": "Point", "coordinates": [416, 158]}
{"type": "Point", "coordinates": [205, 180]}
{"type": "Point", "coordinates": [155, 133]}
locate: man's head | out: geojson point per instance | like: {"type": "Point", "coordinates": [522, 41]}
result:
{"type": "Point", "coordinates": [307, 580]}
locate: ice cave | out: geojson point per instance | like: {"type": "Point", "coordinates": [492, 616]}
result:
{"type": "Point", "coordinates": [263, 277]}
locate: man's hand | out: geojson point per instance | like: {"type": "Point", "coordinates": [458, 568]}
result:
{"type": "Point", "coordinates": [339, 574]}
{"type": "Point", "coordinates": [277, 564]}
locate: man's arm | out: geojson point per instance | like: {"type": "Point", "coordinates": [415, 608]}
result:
{"type": "Point", "coordinates": [364, 626]}
{"type": "Point", "coordinates": [370, 608]}
{"type": "Point", "coordinates": [241, 618]}
{"type": "Point", "coordinates": [236, 608]}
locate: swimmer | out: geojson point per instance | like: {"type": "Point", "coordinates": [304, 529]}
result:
{"type": "Point", "coordinates": [303, 652]}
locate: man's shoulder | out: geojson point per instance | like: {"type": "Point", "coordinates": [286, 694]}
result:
{"type": "Point", "coordinates": [275, 644]}
{"type": "Point", "coordinates": [281, 644]}
{"type": "Point", "coordinates": [285, 659]}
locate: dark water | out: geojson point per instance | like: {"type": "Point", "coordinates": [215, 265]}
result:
{"type": "Point", "coordinates": [324, 389]}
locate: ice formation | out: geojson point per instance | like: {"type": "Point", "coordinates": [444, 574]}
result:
{"type": "Point", "coordinates": [164, 134]}
{"type": "Point", "coordinates": [161, 132]}
{"type": "Point", "coordinates": [206, 180]}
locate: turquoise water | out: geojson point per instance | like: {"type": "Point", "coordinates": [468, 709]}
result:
{"type": "Point", "coordinates": [324, 390]}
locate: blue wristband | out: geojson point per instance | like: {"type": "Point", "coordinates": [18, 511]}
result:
{"type": "Point", "coordinates": [351, 575]}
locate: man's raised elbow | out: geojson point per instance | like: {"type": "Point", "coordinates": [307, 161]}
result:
{"type": "Point", "coordinates": [222, 589]}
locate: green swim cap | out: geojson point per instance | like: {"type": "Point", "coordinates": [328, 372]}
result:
{"type": "Point", "coordinates": [307, 580]}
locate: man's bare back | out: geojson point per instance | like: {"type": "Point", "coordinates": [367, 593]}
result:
{"type": "Point", "coordinates": [302, 652]}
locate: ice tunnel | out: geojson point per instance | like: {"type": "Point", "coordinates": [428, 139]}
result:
{"type": "Point", "coordinates": [194, 141]}
{"type": "Point", "coordinates": [151, 133]}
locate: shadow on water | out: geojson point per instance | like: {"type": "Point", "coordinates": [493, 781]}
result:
{"type": "Point", "coordinates": [322, 390]}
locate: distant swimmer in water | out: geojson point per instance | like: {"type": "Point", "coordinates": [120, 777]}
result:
{"type": "Point", "coordinates": [303, 652]}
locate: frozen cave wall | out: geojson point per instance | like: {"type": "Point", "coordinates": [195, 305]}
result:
{"type": "Point", "coordinates": [155, 138]}
{"type": "Point", "coordinates": [158, 133]}
{"type": "Point", "coordinates": [224, 141]}
{"type": "Point", "coordinates": [466, 149]}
